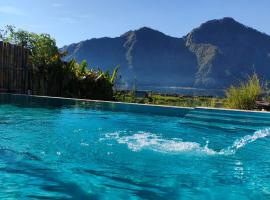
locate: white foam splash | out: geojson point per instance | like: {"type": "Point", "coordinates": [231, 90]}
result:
{"type": "Point", "coordinates": [240, 143]}
{"type": "Point", "coordinates": [149, 141]}
{"type": "Point", "coordinates": [144, 140]}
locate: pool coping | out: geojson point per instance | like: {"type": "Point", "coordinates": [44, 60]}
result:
{"type": "Point", "coordinates": [140, 104]}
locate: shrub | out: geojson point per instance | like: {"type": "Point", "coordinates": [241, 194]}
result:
{"type": "Point", "coordinates": [245, 95]}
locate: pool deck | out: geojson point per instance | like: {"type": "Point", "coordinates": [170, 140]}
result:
{"type": "Point", "coordinates": [138, 104]}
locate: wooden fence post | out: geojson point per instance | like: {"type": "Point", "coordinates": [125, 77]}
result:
{"type": "Point", "coordinates": [14, 68]}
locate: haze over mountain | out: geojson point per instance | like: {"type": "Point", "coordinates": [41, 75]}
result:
{"type": "Point", "coordinates": [215, 55]}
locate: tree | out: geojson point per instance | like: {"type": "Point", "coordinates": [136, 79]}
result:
{"type": "Point", "coordinates": [42, 46]}
{"type": "Point", "coordinates": [52, 76]}
{"type": "Point", "coordinates": [6, 33]}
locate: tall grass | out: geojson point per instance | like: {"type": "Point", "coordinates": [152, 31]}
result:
{"type": "Point", "coordinates": [245, 95]}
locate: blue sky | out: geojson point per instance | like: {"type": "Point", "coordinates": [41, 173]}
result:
{"type": "Point", "coordinates": [71, 21]}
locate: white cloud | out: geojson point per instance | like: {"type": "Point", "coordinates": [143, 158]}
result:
{"type": "Point", "coordinates": [10, 10]}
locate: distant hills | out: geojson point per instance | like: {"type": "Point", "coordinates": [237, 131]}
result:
{"type": "Point", "coordinates": [215, 55]}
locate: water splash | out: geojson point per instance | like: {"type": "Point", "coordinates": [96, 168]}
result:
{"type": "Point", "coordinates": [148, 141]}
{"type": "Point", "coordinates": [240, 143]}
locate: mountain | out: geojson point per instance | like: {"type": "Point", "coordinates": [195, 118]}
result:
{"type": "Point", "coordinates": [215, 55]}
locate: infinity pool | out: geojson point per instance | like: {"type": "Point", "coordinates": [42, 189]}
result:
{"type": "Point", "coordinates": [66, 149]}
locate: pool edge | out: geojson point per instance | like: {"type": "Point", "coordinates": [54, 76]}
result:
{"type": "Point", "coordinates": [140, 104]}
{"type": "Point", "coordinates": [103, 101]}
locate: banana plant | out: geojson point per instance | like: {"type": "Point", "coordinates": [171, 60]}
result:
{"type": "Point", "coordinates": [114, 75]}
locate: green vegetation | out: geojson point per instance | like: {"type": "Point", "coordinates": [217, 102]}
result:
{"type": "Point", "coordinates": [52, 76]}
{"type": "Point", "coordinates": [159, 99]}
{"type": "Point", "coordinates": [244, 96]}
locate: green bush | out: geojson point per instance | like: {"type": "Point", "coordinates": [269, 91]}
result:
{"type": "Point", "coordinates": [245, 95]}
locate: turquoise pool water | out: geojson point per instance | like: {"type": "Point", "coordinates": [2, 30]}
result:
{"type": "Point", "coordinates": [65, 149]}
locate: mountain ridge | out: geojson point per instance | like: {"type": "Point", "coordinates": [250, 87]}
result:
{"type": "Point", "coordinates": [215, 55]}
